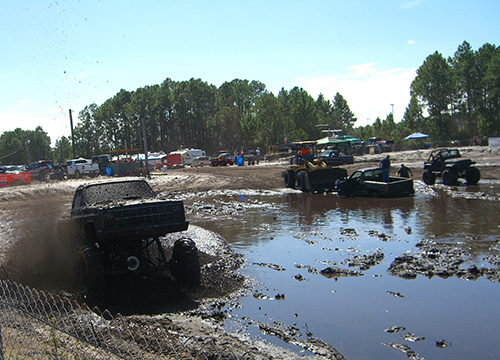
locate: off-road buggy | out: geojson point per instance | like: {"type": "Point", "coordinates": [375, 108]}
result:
{"type": "Point", "coordinates": [449, 164]}
{"type": "Point", "coordinates": [119, 225]}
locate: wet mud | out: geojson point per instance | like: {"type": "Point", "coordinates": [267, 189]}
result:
{"type": "Point", "coordinates": [444, 260]}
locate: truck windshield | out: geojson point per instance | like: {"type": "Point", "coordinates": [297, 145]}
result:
{"type": "Point", "coordinates": [112, 191]}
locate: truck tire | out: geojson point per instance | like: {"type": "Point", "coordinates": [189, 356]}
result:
{"type": "Point", "coordinates": [450, 177]}
{"type": "Point", "coordinates": [289, 177]}
{"type": "Point", "coordinates": [303, 181]}
{"type": "Point", "coordinates": [93, 282]}
{"type": "Point", "coordinates": [77, 174]}
{"type": "Point", "coordinates": [472, 175]}
{"type": "Point", "coordinates": [374, 194]}
{"type": "Point", "coordinates": [428, 177]}
{"type": "Point", "coordinates": [186, 263]}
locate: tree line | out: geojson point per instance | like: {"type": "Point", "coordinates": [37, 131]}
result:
{"type": "Point", "coordinates": [451, 100]}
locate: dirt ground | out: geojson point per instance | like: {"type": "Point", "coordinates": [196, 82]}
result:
{"type": "Point", "coordinates": [204, 323]}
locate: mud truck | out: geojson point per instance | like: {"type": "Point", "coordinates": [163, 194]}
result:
{"type": "Point", "coordinates": [309, 173]}
{"type": "Point", "coordinates": [450, 166]}
{"type": "Point", "coordinates": [368, 182]}
{"type": "Point", "coordinates": [119, 225]}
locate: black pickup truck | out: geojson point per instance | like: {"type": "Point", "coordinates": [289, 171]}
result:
{"type": "Point", "coordinates": [368, 182]}
{"type": "Point", "coordinates": [120, 224]}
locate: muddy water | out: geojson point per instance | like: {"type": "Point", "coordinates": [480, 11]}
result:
{"type": "Point", "coordinates": [289, 237]}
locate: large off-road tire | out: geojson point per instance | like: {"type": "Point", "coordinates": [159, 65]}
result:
{"type": "Point", "coordinates": [428, 177]}
{"type": "Point", "coordinates": [93, 281]}
{"type": "Point", "coordinates": [289, 177]}
{"type": "Point", "coordinates": [303, 182]}
{"type": "Point", "coordinates": [450, 177]}
{"type": "Point", "coordinates": [472, 175]}
{"type": "Point", "coordinates": [186, 263]}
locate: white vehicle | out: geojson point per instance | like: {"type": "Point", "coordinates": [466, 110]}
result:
{"type": "Point", "coordinates": [81, 167]}
{"type": "Point", "coordinates": [201, 161]}
{"type": "Point", "coordinates": [188, 155]}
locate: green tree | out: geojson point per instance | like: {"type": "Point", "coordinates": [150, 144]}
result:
{"type": "Point", "coordinates": [343, 117]}
{"type": "Point", "coordinates": [491, 111]}
{"type": "Point", "coordinates": [468, 85]}
{"type": "Point", "coordinates": [62, 150]}
{"type": "Point", "coordinates": [434, 88]}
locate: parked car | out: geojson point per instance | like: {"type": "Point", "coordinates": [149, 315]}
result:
{"type": "Point", "coordinates": [221, 159]}
{"type": "Point", "coordinates": [201, 161]}
{"type": "Point", "coordinates": [80, 167]}
{"type": "Point", "coordinates": [41, 170]}
{"type": "Point", "coordinates": [368, 182]}
{"type": "Point", "coordinates": [12, 169]}
{"type": "Point", "coordinates": [103, 161]}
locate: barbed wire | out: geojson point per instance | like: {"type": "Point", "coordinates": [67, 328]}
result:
{"type": "Point", "coordinates": [39, 325]}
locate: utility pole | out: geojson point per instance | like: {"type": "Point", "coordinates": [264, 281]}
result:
{"type": "Point", "coordinates": [145, 147]}
{"type": "Point", "coordinates": [72, 136]}
{"type": "Point", "coordinates": [392, 105]}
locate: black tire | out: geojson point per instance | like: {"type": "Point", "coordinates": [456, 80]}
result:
{"type": "Point", "coordinates": [186, 263]}
{"type": "Point", "coordinates": [374, 194]}
{"type": "Point", "coordinates": [93, 281]}
{"type": "Point", "coordinates": [450, 177]}
{"type": "Point", "coordinates": [472, 175]}
{"type": "Point", "coordinates": [77, 174]}
{"type": "Point", "coordinates": [289, 177]}
{"type": "Point", "coordinates": [303, 181]}
{"type": "Point", "coordinates": [428, 177]}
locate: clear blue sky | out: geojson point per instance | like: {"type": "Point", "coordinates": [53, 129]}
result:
{"type": "Point", "coordinates": [61, 55]}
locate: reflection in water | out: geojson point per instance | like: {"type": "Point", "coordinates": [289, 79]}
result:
{"type": "Point", "coordinates": [314, 207]}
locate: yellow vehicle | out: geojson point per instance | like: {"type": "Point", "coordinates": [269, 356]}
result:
{"type": "Point", "coordinates": [309, 173]}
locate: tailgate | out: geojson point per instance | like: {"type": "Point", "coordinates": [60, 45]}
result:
{"type": "Point", "coordinates": [144, 220]}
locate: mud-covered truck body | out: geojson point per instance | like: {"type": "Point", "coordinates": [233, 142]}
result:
{"type": "Point", "coordinates": [449, 164]}
{"type": "Point", "coordinates": [120, 224]}
{"type": "Point", "coordinates": [368, 182]}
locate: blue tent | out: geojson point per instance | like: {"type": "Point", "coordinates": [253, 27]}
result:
{"type": "Point", "coordinates": [416, 136]}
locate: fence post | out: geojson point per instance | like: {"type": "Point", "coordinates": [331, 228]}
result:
{"type": "Point", "coordinates": [1, 344]}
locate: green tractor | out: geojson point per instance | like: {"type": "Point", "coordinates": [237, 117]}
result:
{"type": "Point", "coordinates": [308, 173]}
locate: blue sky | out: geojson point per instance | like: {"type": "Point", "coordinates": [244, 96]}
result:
{"type": "Point", "coordinates": [61, 55]}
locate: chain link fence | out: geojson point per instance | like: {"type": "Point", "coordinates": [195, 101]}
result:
{"type": "Point", "coordinates": [39, 325]}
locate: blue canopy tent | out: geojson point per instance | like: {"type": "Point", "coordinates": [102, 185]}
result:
{"type": "Point", "coordinates": [416, 136]}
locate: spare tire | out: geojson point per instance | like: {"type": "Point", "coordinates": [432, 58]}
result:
{"type": "Point", "coordinates": [186, 263]}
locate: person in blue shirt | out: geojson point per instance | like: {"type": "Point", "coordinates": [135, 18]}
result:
{"type": "Point", "coordinates": [385, 164]}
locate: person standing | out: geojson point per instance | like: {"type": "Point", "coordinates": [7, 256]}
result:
{"type": "Point", "coordinates": [404, 172]}
{"type": "Point", "coordinates": [385, 164]}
